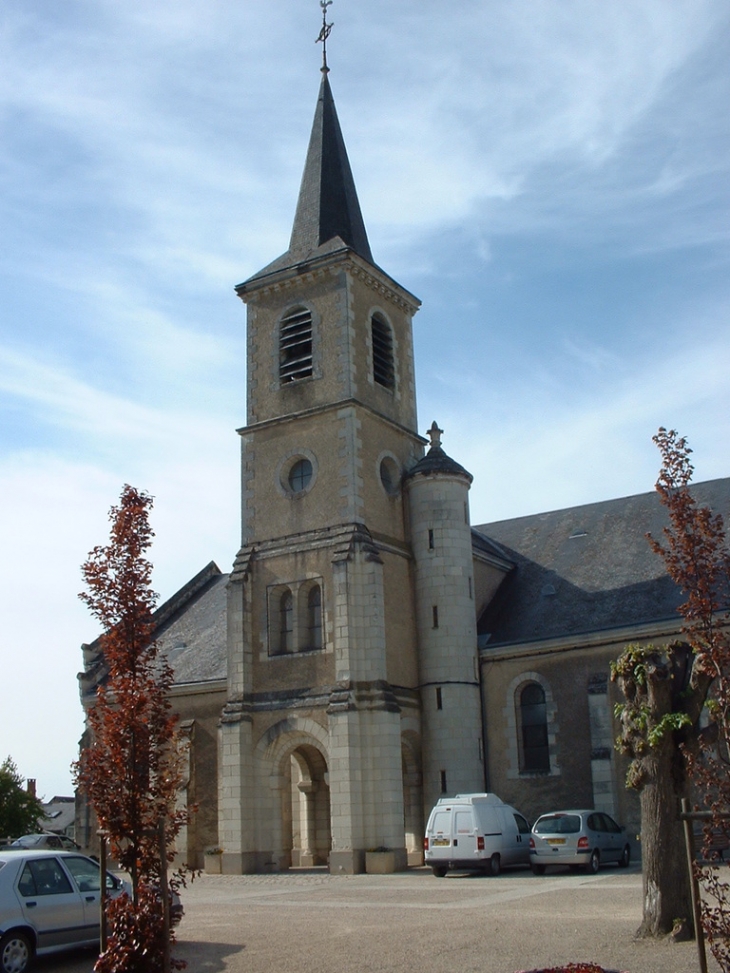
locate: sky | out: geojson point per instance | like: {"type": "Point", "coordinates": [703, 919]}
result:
{"type": "Point", "coordinates": [552, 180]}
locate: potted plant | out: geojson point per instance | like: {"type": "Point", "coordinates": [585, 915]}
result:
{"type": "Point", "coordinates": [213, 858]}
{"type": "Point", "coordinates": [379, 861]}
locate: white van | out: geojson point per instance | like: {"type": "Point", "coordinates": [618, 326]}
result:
{"type": "Point", "coordinates": [475, 831]}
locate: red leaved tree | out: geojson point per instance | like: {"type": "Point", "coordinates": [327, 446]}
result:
{"type": "Point", "coordinates": [131, 770]}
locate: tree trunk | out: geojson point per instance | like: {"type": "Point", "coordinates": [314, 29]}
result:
{"type": "Point", "coordinates": [667, 894]}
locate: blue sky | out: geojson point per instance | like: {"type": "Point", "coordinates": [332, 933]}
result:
{"type": "Point", "coordinates": [550, 179]}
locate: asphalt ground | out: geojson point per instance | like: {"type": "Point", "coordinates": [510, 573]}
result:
{"type": "Point", "coordinates": [311, 922]}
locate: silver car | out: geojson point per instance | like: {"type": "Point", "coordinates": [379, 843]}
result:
{"type": "Point", "coordinates": [49, 901]}
{"type": "Point", "coordinates": [45, 839]}
{"type": "Point", "coordinates": [579, 839]}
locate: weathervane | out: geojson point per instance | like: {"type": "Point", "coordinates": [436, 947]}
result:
{"type": "Point", "coordinates": [325, 32]}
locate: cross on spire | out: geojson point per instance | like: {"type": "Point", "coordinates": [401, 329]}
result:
{"type": "Point", "coordinates": [324, 33]}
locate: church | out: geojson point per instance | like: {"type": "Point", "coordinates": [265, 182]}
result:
{"type": "Point", "coordinates": [371, 650]}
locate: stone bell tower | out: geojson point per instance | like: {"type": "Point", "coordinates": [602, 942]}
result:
{"type": "Point", "coordinates": [323, 710]}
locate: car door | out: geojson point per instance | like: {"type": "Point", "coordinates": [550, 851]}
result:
{"type": "Point", "coordinates": [86, 876]}
{"type": "Point", "coordinates": [614, 838]}
{"type": "Point", "coordinates": [523, 839]}
{"type": "Point", "coordinates": [50, 903]}
{"type": "Point", "coordinates": [465, 834]}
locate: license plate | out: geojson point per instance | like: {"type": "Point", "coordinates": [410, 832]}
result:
{"type": "Point", "coordinates": [440, 842]}
{"type": "Point", "coordinates": [555, 841]}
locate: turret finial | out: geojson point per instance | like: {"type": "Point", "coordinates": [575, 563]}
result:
{"type": "Point", "coordinates": [435, 434]}
{"type": "Point", "coordinates": [324, 33]}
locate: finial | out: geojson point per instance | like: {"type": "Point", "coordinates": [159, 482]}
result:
{"type": "Point", "coordinates": [435, 434]}
{"type": "Point", "coordinates": [324, 33]}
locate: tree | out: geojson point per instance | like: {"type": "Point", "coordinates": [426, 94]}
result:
{"type": "Point", "coordinates": [675, 721]}
{"type": "Point", "coordinates": [19, 809]}
{"type": "Point", "coordinates": [131, 771]}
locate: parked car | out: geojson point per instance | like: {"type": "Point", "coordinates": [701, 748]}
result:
{"type": "Point", "coordinates": [49, 901]}
{"type": "Point", "coordinates": [45, 839]}
{"type": "Point", "coordinates": [580, 839]}
{"type": "Point", "coordinates": [475, 831]}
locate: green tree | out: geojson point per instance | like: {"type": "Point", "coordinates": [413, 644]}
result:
{"type": "Point", "coordinates": [19, 810]}
{"type": "Point", "coordinates": [131, 771]}
{"type": "Point", "coordinates": [676, 718]}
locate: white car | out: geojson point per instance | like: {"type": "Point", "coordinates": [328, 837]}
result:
{"type": "Point", "coordinates": [49, 901]}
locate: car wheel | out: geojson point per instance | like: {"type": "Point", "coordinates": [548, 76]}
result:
{"type": "Point", "coordinates": [495, 865]}
{"type": "Point", "coordinates": [594, 864]}
{"type": "Point", "coordinates": [15, 952]}
{"type": "Point", "coordinates": [439, 871]}
{"type": "Point", "coordinates": [625, 858]}
{"type": "Point", "coordinates": [538, 869]}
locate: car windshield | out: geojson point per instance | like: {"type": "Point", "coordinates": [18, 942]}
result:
{"type": "Point", "coordinates": [27, 841]}
{"type": "Point", "coordinates": [558, 824]}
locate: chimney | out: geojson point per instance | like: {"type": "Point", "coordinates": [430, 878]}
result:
{"type": "Point", "coordinates": [30, 786]}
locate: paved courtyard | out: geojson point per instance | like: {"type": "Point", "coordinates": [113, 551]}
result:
{"type": "Point", "coordinates": [313, 922]}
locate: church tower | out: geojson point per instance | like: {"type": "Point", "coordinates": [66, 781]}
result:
{"type": "Point", "coordinates": [320, 738]}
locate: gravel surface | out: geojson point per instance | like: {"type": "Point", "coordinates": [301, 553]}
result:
{"type": "Point", "coordinates": [313, 922]}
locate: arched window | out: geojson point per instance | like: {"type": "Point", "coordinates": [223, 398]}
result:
{"type": "Point", "coordinates": [286, 621]}
{"type": "Point", "coordinates": [295, 345]}
{"type": "Point", "coordinates": [383, 366]}
{"type": "Point", "coordinates": [314, 617]}
{"type": "Point", "coordinates": [533, 722]}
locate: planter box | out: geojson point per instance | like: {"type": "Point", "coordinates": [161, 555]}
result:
{"type": "Point", "coordinates": [379, 862]}
{"type": "Point", "coordinates": [213, 864]}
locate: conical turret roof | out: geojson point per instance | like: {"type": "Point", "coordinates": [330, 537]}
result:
{"type": "Point", "coordinates": [436, 462]}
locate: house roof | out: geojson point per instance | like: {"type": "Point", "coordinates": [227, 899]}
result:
{"type": "Point", "coordinates": [587, 568]}
{"type": "Point", "coordinates": [328, 217]}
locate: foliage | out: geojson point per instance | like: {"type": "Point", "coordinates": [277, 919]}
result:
{"type": "Point", "coordinates": [131, 771]}
{"type": "Point", "coordinates": [19, 810]}
{"type": "Point", "coordinates": [676, 718]}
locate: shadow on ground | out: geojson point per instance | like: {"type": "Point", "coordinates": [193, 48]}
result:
{"type": "Point", "coordinates": [205, 957]}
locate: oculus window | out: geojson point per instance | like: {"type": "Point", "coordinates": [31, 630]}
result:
{"type": "Point", "coordinates": [300, 476]}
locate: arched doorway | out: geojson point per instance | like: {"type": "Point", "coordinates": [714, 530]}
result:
{"type": "Point", "coordinates": [306, 814]}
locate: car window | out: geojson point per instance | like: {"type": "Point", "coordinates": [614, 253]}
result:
{"type": "Point", "coordinates": [43, 877]}
{"type": "Point", "coordinates": [85, 873]}
{"type": "Point", "coordinates": [595, 822]}
{"type": "Point", "coordinates": [522, 826]}
{"type": "Point", "coordinates": [609, 824]}
{"type": "Point", "coordinates": [557, 824]}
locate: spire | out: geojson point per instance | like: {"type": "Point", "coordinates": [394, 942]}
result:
{"type": "Point", "coordinates": [328, 206]}
{"type": "Point", "coordinates": [328, 217]}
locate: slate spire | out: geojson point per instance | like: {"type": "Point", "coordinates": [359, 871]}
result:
{"type": "Point", "coordinates": [328, 206]}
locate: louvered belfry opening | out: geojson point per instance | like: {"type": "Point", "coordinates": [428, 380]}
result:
{"type": "Point", "coordinates": [383, 368]}
{"type": "Point", "coordinates": [295, 345]}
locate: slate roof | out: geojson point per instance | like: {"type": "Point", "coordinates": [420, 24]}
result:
{"type": "Point", "coordinates": [328, 216]}
{"type": "Point", "coordinates": [193, 634]}
{"type": "Point", "coordinates": [190, 629]}
{"type": "Point", "coordinates": [586, 569]}
{"type": "Point", "coordinates": [437, 461]}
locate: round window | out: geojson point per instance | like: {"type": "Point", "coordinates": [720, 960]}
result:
{"type": "Point", "coordinates": [300, 476]}
{"type": "Point", "coordinates": [389, 475]}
